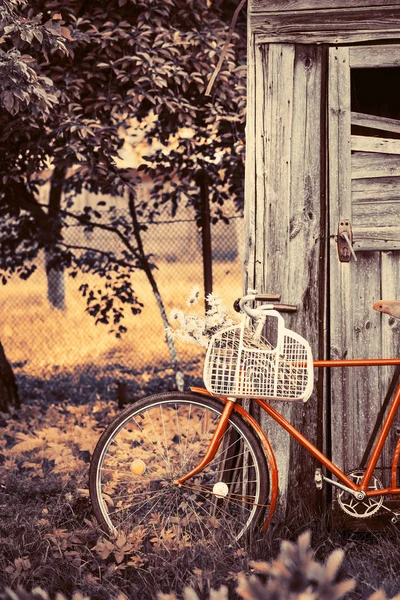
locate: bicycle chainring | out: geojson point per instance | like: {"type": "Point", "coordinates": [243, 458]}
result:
{"type": "Point", "coordinates": [361, 509]}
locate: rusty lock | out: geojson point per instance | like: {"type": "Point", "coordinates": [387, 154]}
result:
{"type": "Point", "coordinates": [345, 241]}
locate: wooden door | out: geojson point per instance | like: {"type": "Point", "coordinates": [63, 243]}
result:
{"type": "Point", "coordinates": [364, 188]}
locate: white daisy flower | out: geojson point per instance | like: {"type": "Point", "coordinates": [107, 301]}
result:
{"type": "Point", "coordinates": [213, 299]}
{"type": "Point", "coordinates": [222, 310]}
{"type": "Point", "coordinates": [192, 324]}
{"type": "Point", "coordinates": [203, 341]}
{"type": "Point", "coordinates": [183, 336]}
{"type": "Point", "coordinates": [170, 333]}
{"type": "Point", "coordinates": [193, 296]}
{"type": "Point", "coordinates": [176, 315]}
{"type": "Point", "coordinates": [213, 320]}
{"type": "Point", "coordinates": [199, 332]}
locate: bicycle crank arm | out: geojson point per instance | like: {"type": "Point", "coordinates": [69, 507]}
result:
{"type": "Point", "coordinates": [395, 513]}
{"type": "Point", "coordinates": [357, 494]}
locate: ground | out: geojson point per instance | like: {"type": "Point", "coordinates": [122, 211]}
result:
{"type": "Point", "coordinates": [47, 533]}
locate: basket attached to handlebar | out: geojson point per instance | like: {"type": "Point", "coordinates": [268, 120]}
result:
{"type": "Point", "coordinates": [241, 364]}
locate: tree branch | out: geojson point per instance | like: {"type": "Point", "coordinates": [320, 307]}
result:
{"type": "Point", "coordinates": [225, 48]}
{"type": "Point", "coordinates": [109, 255]}
{"type": "Point", "coordinates": [85, 221]}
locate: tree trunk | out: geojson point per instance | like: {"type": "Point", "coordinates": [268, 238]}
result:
{"type": "Point", "coordinates": [179, 377]}
{"type": "Point", "coordinates": [8, 385]}
{"type": "Point", "coordinates": [54, 271]}
{"type": "Point", "coordinates": [55, 283]}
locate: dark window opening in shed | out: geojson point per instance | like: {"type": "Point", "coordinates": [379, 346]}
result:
{"type": "Point", "coordinates": [375, 92]}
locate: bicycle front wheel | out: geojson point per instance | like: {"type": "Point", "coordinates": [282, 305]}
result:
{"type": "Point", "coordinates": [154, 442]}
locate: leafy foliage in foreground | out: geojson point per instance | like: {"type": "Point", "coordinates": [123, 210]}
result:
{"type": "Point", "coordinates": [295, 574]}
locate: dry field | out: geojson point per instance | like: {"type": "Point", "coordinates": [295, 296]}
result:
{"type": "Point", "coordinates": [41, 340]}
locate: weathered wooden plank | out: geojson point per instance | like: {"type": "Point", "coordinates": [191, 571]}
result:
{"type": "Point", "coordinates": [288, 5]}
{"type": "Point", "coordinates": [369, 164]}
{"type": "Point", "coordinates": [262, 149]}
{"type": "Point", "coordinates": [380, 521]}
{"type": "Point", "coordinates": [272, 234]}
{"type": "Point", "coordinates": [363, 393]}
{"type": "Point", "coordinates": [380, 197]}
{"type": "Point", "coordinates": [333, 38]}
{"type": "Point", "coordinates": [327, 25]}
{"type": "Point", "coordinates": [376, 238]}
{"type": "Point", "coordinates": [375, 122]}
{"type": "Point", "coordinates": [286, 205]}
{"type": "Point", "coordinates": [303, 263]}
{"type": "Point", "coordinates": [339, 135]}
{"type": "Point", "coordinates": [376, 214]}
{"type": "Point", "coordinates": [253, 108]}
{"type": "Point", "coordinates": [369, 57]}
{"type": "Point", "coordinates": [390, 335]}
{"type": "Point", "coordinates": [375, 144]}
{"type": "Point", "coordinates": [340, 206]}
{"type": "Point", "coordinates": [380, 188]}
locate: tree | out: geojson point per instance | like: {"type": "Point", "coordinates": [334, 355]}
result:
{"type": "Point", "coordinates": [31, 96]}
{"type": "Point", "coordinates": [142, 63]}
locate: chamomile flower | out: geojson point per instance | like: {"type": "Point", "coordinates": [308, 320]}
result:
{"type": "Point", "coordinates": [184, 336]}
{"type": "Point", "coordinates": [170, 333]}
{"type": "Point", "coordinates": [191, 324]}
{"type": "Point", "coordinates": [221, 310]}
{"type": "Point", "coordinates": [196, 329]}
{"type": "Point", "coordinates": [176, 315]}
{"type": "Point", "coordinates": [193, 296]}
{"type": "Point", "coordinates": [199, 333]}
{"type": "Point", "coordinates": [213, 320]}
{"type": "Point", "coordinates": [213, 300]}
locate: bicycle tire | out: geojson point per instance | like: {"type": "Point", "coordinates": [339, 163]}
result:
{"type": "Point", "coordinates": [155, 441]}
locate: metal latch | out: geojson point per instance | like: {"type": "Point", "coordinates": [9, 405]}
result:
{"type": "Point", "coordinates": [345, 241]}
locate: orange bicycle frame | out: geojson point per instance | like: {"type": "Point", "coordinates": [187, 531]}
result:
{"type": "Point", "coordinates": [230, 405]}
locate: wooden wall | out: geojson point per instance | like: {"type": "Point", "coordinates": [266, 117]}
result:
{"type": "Point", "coordinates": [304, 171]}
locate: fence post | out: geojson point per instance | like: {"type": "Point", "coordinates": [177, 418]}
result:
{"type": "Point", "coordinates": [54, 270]}
{"type": "Point", "coordinates": [202, 181]}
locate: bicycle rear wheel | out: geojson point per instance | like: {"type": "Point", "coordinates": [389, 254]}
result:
{"type": "Point", "coordinates": [154, 442]}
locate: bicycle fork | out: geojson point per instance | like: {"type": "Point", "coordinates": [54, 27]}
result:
{"type": "Point", "coordinates": [214, 443]}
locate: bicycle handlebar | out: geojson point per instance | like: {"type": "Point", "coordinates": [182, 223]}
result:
{"type": "Point", "coordinates": [239, 304]}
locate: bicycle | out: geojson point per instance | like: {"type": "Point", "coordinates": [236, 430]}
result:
{"type": "Point", "coordinates": [183, 467]}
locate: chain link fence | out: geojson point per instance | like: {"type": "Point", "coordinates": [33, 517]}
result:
{"type": "Point", "coordinates": [42, 341]}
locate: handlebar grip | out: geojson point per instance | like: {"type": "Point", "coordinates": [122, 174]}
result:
{"type": "Point", "coordinates": [268, 297]}
{"type": "Point", "coordinates": [260, 298]}
{"type": "Point", "coordinates": [288, 308]}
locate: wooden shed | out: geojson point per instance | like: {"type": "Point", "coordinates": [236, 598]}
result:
{"type": "Point", "coordinates": [323, 148]}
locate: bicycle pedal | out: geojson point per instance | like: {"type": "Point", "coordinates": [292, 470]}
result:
{"type": "Point", "coordinates": [396, 516]}
{"type": "Point", "coordinates": [318, 479]}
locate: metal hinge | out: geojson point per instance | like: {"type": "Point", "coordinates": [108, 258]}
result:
{"type": "Point", "coordinates": [345, 241]}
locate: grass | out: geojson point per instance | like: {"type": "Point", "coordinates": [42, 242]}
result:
{"type": "Point", "coordinates": [48, 537]}
{"type": "Point", "coordinates": [67, 370]}
{"type": "Point", "coordinates": [40, 340]}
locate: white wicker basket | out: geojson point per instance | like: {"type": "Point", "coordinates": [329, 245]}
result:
{"type": "Point", "coordinates": [239, 364]}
